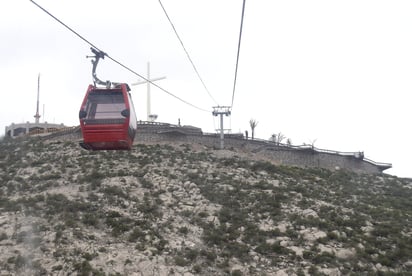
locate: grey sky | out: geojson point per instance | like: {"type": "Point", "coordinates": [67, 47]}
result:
{"type": "Point", "coordinates": [335, 71]}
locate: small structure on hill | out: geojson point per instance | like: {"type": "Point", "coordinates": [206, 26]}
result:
{"type": "Point", "coordinates": [36, 128]}
{"type": "Point", "coordinates": [15, 130]}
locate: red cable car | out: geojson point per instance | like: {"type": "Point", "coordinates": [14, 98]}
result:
{"type": "Point", "coordinates": [107, 116]}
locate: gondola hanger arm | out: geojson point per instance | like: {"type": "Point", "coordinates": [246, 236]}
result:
{"type": "Point", "coordinates": [95, 61]}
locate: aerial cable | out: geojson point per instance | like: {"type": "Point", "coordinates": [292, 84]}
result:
{"type": "Point", "coordinates": [156, 85]}
{"type": "Point", "coordinates": [115, 61]}
{"type": "Point", "coordinates": [187, 53]}
{"type": "Point", "coordinates": [73, 31]}
{"type": "Point", "coordinates": [238, 51]}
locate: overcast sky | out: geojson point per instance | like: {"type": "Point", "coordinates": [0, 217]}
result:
{"type": "Point", "coordinates": [335, 72]}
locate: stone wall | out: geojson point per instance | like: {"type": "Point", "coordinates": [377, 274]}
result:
{"type": "Point", "coordinates": [278, 154]}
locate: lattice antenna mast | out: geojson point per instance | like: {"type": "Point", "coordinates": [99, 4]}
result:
{"type": "Point", "coordinates": [221, 110]}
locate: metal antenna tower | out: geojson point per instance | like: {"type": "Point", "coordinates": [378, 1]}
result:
{"type": "Point", "coordinates": [150, 116]}
{"type": "Point", "coordinates": [221, 110]}
{"type": "Point", "coordinates": [37, 116]}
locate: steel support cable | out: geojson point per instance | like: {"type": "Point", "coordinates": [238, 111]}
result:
{"type": "Point", "coordinates": [115, 61]}
{"type": "Point", "coordinates": [238, 52]}
{"type": "Point", "coordinates": [156, 85]}
{"type": "Point", "coordinates": [187, 53]}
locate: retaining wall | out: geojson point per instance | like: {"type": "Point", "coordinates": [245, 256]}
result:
{"type": "Point", "coordinates": [278, 154]}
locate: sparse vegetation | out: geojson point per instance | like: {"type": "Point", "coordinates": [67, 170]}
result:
{"type": "Point", "coordinates": [175, 208]}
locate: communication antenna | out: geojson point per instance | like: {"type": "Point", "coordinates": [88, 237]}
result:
{"type": "Point", "coordinates": [221, 110]}
{"type": "Point", "coordinates": [150, 117]}
{"type": "Point", "coordinates": [37, 116]}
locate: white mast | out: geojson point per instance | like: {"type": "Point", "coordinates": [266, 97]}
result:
{"type": "Point", "coordinates": [149, 112]}
{"type": "Point", "coordinates": [37, 116]}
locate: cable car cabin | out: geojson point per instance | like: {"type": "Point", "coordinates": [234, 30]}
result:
{"type": "Point", "coordinates": [107, 118]}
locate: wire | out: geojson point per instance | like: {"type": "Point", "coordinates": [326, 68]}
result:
{"type": "Point", "coordinates": [161, 88]}
{"type": "Point", "coordinates": [114, 60]}
{"type": "Point", "coordinates": [73, 31]}
{"type": "Point", "coordinates": [238, 51]}
{"type": "Point", "coordinates": [187, 53]}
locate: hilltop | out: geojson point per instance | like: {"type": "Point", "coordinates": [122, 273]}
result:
{"type": "Point", "coordinates": [186, 209]}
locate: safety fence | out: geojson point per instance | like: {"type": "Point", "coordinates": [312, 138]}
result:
{"type": "Point", "coordinates": [310, 148]}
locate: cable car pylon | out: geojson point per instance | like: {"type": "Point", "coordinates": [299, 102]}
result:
{"type": "Point", "coordinates": [221, 110]}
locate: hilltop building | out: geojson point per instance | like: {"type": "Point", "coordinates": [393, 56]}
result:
{"type": "Point", "coordinates": [36, 128]}
{"type": "Point", "coordinates": [15, 130]}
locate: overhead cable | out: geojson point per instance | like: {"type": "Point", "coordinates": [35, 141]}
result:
{"type": "Point", "coordinates": [238, 52]}
{"type": "Point", "coordinates": [116, 61]}
{"type": "Point", "coordinates": [156, 85]}
{"type": "Point", "coordinates": [187, 53]}
{"type": "Point", "coordinates": [67, 27]}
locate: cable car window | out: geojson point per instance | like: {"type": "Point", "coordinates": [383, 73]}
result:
{"type": "Point", "coordinates": [105, 105]}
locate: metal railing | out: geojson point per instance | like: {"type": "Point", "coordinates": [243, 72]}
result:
{"type": "Point", "coordinates": [357, 155]}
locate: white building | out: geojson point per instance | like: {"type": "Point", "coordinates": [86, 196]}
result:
{"type": "Point", "coordinates": [15, 130]}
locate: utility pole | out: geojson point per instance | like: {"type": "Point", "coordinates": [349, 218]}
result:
{"type": "Point", "coordinates": [221, 110]}
{"type": "Point", "coordinates": [150, 116]}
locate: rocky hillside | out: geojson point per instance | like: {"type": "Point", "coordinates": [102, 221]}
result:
{"type": "Point", "coordinates": [190, 210]}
